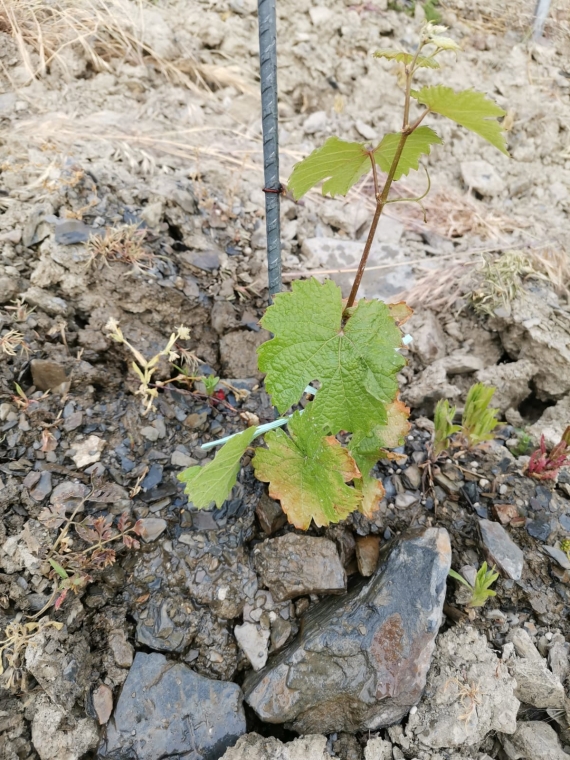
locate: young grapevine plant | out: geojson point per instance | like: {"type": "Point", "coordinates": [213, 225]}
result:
{"type": "Point", "coordinates": [320, 466]}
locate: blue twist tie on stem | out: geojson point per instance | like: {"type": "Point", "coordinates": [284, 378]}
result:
{"type": "Point", "coordinates": [261, 428]}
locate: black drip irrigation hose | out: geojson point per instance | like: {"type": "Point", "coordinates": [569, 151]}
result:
{"type": "Point", "coordinates": [269, 113]}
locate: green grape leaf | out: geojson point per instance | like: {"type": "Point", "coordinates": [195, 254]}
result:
{"type": "Point", "coordinates": [214, 481]}
{"type": "Point", "coordinates": [338, 162]}
{"type": "Point", "coordinates": [469, 108]}
{"type": "Point", "coordinates": [308, 472]}
{"type": "Point", "coordinates": [423, 62]}
{"type": "Point", "coordinates": [355, 360]}
{"type": "Point", "coordinates": [418, 144]}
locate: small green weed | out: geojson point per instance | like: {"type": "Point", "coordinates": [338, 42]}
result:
{"type": "Point", "coordinates": [524, 444]}
{"type": "Point", "coordinates": [477, 423]}
{"type": "Point", "coordinates": [210, 383]}
{"type": "Point", "coordinates": [481, 591]}
{"type": "Point", "coordinates": [479, 420]}
{"type": "Point", "coordinates": [444, 427]}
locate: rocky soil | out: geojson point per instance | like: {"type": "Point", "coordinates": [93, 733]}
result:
{"type": "Point", "coordinates": [227, 633]}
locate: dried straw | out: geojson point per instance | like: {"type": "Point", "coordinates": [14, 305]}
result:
{"type": "Point", "coordinates": [105, 31]}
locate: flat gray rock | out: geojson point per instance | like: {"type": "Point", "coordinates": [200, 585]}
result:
{"type": "Point", "coordinates": [166, 710]}
{"type": "Point", "coordinates": [362, 659]}
{"type": "Point", "coordinates": [533, 740]}
{"type": "Point", "coordinates": [502, 550]}
{"type": "Point", "coordinates": [381, 279]}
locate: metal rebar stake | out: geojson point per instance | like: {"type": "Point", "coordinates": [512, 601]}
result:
{"type": "Point", "coordinates": [540, 15]}
{"type": "Point", "coordinates": [269, 113]}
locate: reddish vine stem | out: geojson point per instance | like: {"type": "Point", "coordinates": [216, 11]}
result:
{"type": "Point", "coordinates": [382, 198]}
{"type": "Point", "coordinates": [380, 203]}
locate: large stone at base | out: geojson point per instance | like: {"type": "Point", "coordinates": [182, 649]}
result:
{"type": "Point", "coordinates": [167, 710]}
{"type": "Point", "coordinates": [361, 660]}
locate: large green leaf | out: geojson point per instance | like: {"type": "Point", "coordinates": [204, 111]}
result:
{"type": "Point", "coordinates": [472, 109]}
{"type": "Point", "coordinates": [308, 473]}
{"type": "Point", "coordinates": [422, 62]}
{"type": "Point", "coordinates": [214, 481]}
{"type": "Point", "coordinates": [356, 360]}
{"type": "Point", "coordinates": [417, 144]}
{"type": "Point", "coordinates": [338, 162]}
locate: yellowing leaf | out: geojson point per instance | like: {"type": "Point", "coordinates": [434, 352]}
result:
{"type": "Point", "coordinates": [418, 144]}
{"type": "Point", "coordinates": [308, 473]}
{"type": "Point", "coordinates": [391, 435]}
{"type": "Point", "coordinates": [214, 481]}
{"type": "Point", "coordinates": [338, 162]}
{"type": "Point", "coordinates": [473, 110]}
{"type": "Point", "coordinates": [355, 360]}
{"type": "Point", "coordinates": [423, 62]}
{"type": "Point", "coordinates": [367, 450]}
{"type": "Point", "coordinates": [372, 492]}
{"type": "Point", "coordinates": [400, 312]}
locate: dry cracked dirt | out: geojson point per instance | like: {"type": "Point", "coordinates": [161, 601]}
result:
{"type": "Point", "coordinates": [131, 190]}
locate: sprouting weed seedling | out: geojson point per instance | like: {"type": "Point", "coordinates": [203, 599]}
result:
{"type": "Point", "coordinates": [12, 341]}
{"type": "Point", "coordinates": [351, 348]}
{"type": "Point", "coordinates": [469, 696]}
{"type": "Point", "coordinates": [144, 368]}
{"type": "Point", "coordinates": [22, 400]}
{"type": "Point", "coordinates": [481, 591]}
{"type": "Point", "coordinates": [443, 428]}
{"type": "Point", "coordinates": [121, 244]}
{"type": "Point", "coordinates": [71, 566]}
{"type": "Point", "coordinates": [210, 383]}
{"type": "Point", "coordinates": [565, 546]}
{"type": "Point", "coordinates": [545, 465]}
{"type": "Point", "coordinates": [524, 444]}
{"type": "Point", "coordinates": [13, 647]}
{"type": "Point", "coordinates": [479, 420]}
{"type": "Point", "coordinates": [20, 311]}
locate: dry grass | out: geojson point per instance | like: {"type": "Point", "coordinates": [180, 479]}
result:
{"type": "Point", "coordinates": [103, 31]}
{"type": "Point", "coordinates": [452, 214]}
{"type": "Point", "coordinates": [490, 279]}
{"type": "Point", "coordinates": [144, 146]}
{"type": "Point", "coordinates": [439, 289]}
{"type": "Point", "coordinates": [498, 17]}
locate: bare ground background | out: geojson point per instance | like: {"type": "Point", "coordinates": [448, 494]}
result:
{"type": "Point", "coordinates": [118, 114]}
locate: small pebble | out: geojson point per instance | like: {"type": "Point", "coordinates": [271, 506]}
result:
{"type": "Point", "coordinates": [152, 528]}
{"type": "Point", "coordinates": [150, 433]}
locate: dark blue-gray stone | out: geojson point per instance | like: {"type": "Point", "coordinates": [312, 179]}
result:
{"type": "Point", "coordinates": [565, 521]}
{"type": "Point", "coordinates": [153, 477]}
{"type": "Point", "coordinates": [543, 496]}
{"type": "Point", "coordinates": [361, 660]}
{"type": "Point", "coordinates": [72, 231]}
{"type": "Point", "coordinates": [539, 529]}
{"type": "Point", "coordinates": [166, 710]}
